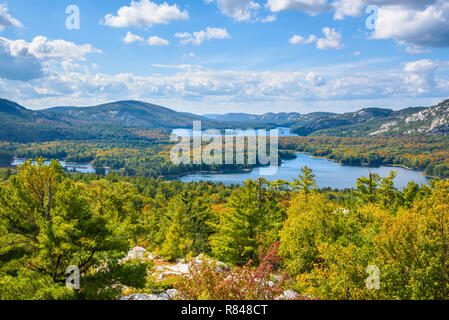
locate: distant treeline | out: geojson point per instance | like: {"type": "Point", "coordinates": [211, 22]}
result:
{"type": "Point", "coordinates": [429, 153]}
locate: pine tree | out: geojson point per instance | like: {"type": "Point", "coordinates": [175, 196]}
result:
{"type": "Point", "coordinates": [367, 188]}
{"type": "Point", "coordinates": [177, 242]}
{"type": "Point", "coordinates": [242, 230]}
{"type": "Point", "coordinates": [306, 180]}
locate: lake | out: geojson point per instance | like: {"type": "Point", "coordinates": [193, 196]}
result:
{"type": "Point", "coordinates": [78, 167]}
{"type": "Point", "coordinates": [282, 132]}
{"type": "Point", "coordinates": [328, 173]}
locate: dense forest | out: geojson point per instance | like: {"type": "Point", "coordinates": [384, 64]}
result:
{"type": "Point", "coordinates": [261, 240]}
{"type": "Point", "coordinates": [150, 157]}
{"type": "Point", "coordinates": [429, 153]}
{"type": "Point", "coordinates": [273, 236]}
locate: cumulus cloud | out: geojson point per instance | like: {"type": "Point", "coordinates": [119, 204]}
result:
{"type": "Point", "coordinates": [355, 8]}
{"type": "Point", "coordinates": [6, 20]}
{"type": "Point", "coordinates": [416, 23]}
{"type": "Point", "coordinates": [351, 8]}
{"type": "Point", "coordinates": [42, 48]}
{"type": "Point", "coordinates": [419, 23]}
{"type": "Point", "coordinates": [308, 6]}
{"type": "Point", "coordinates": [152, 41]}
{"type": "Point", "coordinates": [315, 79]}
{"type": "Point", "coordinates": [297, 39]}
{"type": "Point", "coordinates": [332, 40]}
{"type": "Point", "coordinates": [239, 10]}
{"type": "Point", "coordinates": [199, 37]}
{"type": "Point", "coordinates": [145, 14]}
{"type": "Point", "coordinates": [157, 41]}
{"type": "Point", "coordinates": [19, 68]}
{"type": "Point", "coordinates": [22, 60]}
{"type": "Point", "coordinates": [131, 38]}
{"type": "Point", "coordinates": [421, 74]}
{"type": "Point", "coordinates": [197, 86]}
{"type": "Point", "coordinates": [427, 26]}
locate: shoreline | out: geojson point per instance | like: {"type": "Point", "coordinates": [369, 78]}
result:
{"type": "Point", "coordinates": [367, 166]}
{"type": "Point", "coordinates": [223, 171]}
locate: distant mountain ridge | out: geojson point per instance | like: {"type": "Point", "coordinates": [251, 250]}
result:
{"type": "Point", "coordinates": [126, 113]}
{"type": "Point", "coordinates": [123, 118]}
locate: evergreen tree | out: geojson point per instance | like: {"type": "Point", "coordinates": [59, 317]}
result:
{"type": "Point", "coordinates": [306, 181]}
{"type": "Point", "coordinates": [177, 242]}
{"type": "Point", "coordinates": [367, 188]}
{"type": "Point", "coordinates": [241, 231]}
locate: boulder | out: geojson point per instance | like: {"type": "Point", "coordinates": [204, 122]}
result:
{"type": "Point", "coordinates": [172, 293]}
{"type": "Point", "coordinates": [288, 295]}
{"type": "Point", "coordinates": [137, 296]}
{"type": "Point", "coordinates": [145, 297]}
{"type": "Point", "coordinates": [220, 266]}
{"type": "Point", "coordinates": [138, 253]}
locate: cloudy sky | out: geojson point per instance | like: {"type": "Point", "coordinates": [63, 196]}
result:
{"type": "Point", "coordinates": [217, 56]}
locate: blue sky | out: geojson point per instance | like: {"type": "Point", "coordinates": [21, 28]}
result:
{"type": "Point", "coordinates": [217, 56]}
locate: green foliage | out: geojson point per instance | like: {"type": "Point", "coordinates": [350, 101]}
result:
{"type": "Point", "coordinates": [429, 153]}
{"type": "Point", "coordinates": [109, 280]}
{"type": "Point", "coordinates": [50, 220]}
{"type": "Point", "coordinates": [29, 285]}
{"type": "Point", "coordinates": [49, 224]}
{"type": "Point", "coordinates": [252, 222]}
{"type": "Point", "coordinates": [177, 242]}
{"type": "Point", "coordinates": [306, 180]}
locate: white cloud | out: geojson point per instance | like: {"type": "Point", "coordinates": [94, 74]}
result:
{"type": "Point", "coordinates": [131, 38]}
{"type": "Point", "coordinates": [182, 35]}
{"type": "Point", "coordinates": [427, 26]}
{"type": "Point", "coordinates": [332, 40]}
{"type": "Point", "coordinates": [177, 66]}
{"type": "Point", "coordinates": [145, 14]}
{"type": "Point", "coordinates": [421, 74]}
{"type": "Point", "coordinates": [152, 41]}
{"type": "Point", "coordinates": [355, 8]}
{"type": "Point", "coordinates": [157, 41]}
{"type": "Point", "coordinates": [22, 60]}
{"type": "Point", "coordinates": [297, 39]}
{"type": "Point", "coordinates": [315, 79]}
{"type": "Point", "coordinates": [18, 68]}
{"type": "Point", "coordinates": [195, 86]}
{"type": "Point", "coordinates": [269, 19]}
{"type": "Point", "coordinates": [416, 50]}
{"type": "Point", "coordinates": [6, 20]}
{"type": "Point", "coordinates": [204, 35]}
{"type": "Point", "coordinates": [308, 6]}
{"type": "Point", "coordinates": [352, 8]}
{"type": "Point", "coordinates": [239, 10]}
{"type": "Point", "coordinates": [42, 48]}
{"type": "Point", "coordinates": [420, 23]}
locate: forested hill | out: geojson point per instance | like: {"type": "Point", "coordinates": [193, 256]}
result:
{"type": "Point", "coordinates": [125, 113]}
{"type": "Point", "coordinates": [120, 119]}
{"type": "Point", "coordinates": [125, 118]}
{"type": "Point", "coordinates": [363, 123]}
